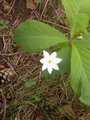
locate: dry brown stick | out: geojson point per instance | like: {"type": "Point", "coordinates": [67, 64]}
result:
{"type": "Point", "coordinates": [11, 8]}
{"type": "Point", "coordinates": [11, 54]}
{"type": "Point", "coordinates": [44, 8]}
{"type": "Point", "coordinates": [4, 104]}
{"type": "Point", "coordinates": [58, 25]}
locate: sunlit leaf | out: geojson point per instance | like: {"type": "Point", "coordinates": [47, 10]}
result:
{"type": "Point", "coordinates": [77, 19]}
{"type": "Point", "coordinates": [80, 73]}
{"type": "Point", "coordinates": [85, 6]}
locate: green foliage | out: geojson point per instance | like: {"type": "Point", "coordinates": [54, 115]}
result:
{"type": "Point", "coordinates": [65, 54]}
{"type": "Point", "coordinates": [36, 98]}
{"type": "Point", "coordinates": [80, 72]}
{"type": "Point", "coordinates": [34, 36]}
{"type": "Point", "coordinates": [77, 19]}
{"type": "Point", "coordinates": [29, 83]}
{"type": "Point", "coordinates": [85, 41]}
{"type": "Point", "coordinates": [38, 1]}
{"type": "Point", "coordinates": [4, 23]}
{"type": "Point", "coordinates": [85, 6]}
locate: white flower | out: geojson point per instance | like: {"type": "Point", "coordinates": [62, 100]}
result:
{"type": "Point", "coordinates": [50, 61]}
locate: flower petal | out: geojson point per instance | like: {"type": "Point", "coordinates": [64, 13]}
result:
{"type": "Point", "coordinates": [45, 54]}
{"type": "Point", "coordinates": [50, 61]}
{"type": "Point", "coordinates": [58, 60]}
{"type": "Point", "coordinates": [55, 66]}
{"type": "Point", "coordinates": [49, 69]}
{"type": "Point", "coordinates": [43, 60]}
{"type": "Point", "coordinates": [44, 67]}
{"type": "Point", "coordinates": [53, 55]}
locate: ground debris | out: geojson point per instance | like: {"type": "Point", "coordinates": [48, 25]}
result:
{"type": "Point", "coordinates": [31, 4]}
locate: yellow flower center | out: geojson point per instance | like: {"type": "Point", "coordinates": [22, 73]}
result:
{"type": "Point", "coordinates": [49, 61]}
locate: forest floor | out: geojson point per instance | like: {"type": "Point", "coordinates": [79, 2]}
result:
{"type": "Point", "coordinates": [47, 99]}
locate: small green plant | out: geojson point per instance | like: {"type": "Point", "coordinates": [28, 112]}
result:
{"type": "Point", "coordinates": [29, 83]}
{"type": "Point", "coordinates": [38, 1]}
{"type": "Point", "coordinates": [4, 23]}
{"type": "Point", "coordinates": [35, 36]}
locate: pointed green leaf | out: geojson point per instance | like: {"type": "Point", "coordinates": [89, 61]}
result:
{"type": "Point", "coordinates": [65, 54]}
{"type": "Point", "coordinates": [80, 73]}
{"type": "Point", "coordinates": [78, 21]}
{"type": "Point", "coordinates": [34, 36]}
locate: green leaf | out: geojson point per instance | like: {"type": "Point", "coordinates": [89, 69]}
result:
{"type": "Point", "coordinates": [85, 41]}
{"type": "Point", "coordinates": [34, 36]}
{"type": "Point", "coordinates": [80, 24]}
{"type": "Point", "coordinates": [36, 98]}
{"type": "Point", "coordinates": [29, 83]}
{"type": "Point", "coordinates": [85, 7]}
{"type": "Point", "coordinates": [78, 21]}
{"type": "Point", "coordinates": [80, 72]}
{"type": "Point", "coordinates": [4, 23]}
{"type": "Point", "coordinates": [65, 54]}
{"type": "Point", "coordinates": [38, 1]}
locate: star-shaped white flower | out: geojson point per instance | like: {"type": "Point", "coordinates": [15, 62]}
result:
{"type": "Point", "coordinates": [50, 61]}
